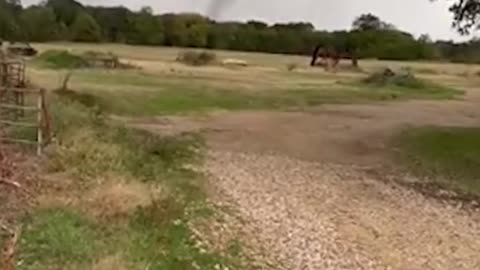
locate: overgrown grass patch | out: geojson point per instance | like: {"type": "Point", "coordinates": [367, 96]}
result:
{"type": "Point", "coordinates": [58, 239]}
{"type": "Point", "coordinates": [187, 99]}
{"type": "Point", "coordinates": [197, 58]}
{"type": "Point", "coordinates": [144, 94]}
{"type": "Point", "coordinates": [405, 85]}
{"type": "Point", "coordinates": [153, 236]}
{"type": "Point", "coordinates": [61, 59]}
{"type": "Point", "coordinates": [446, 156]}
{"type": "Point", "coordinates": [141, 93]}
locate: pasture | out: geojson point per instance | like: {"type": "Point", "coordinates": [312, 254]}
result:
{"type": "Point", "coordinates": [173, 166]}
{"type": "Point", "coordinates": [173, 87]}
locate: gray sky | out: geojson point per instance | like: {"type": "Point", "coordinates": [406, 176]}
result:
{"type": "Point", "coordinates": [414, 16]}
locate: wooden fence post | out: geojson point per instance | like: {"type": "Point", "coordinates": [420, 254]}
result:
{"type": "Point", "coordinates": [40, 122]}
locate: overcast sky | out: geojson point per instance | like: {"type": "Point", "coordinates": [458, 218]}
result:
{"type": "Point", "coordinates": [414, 16]}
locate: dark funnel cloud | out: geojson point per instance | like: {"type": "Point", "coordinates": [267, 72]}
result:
{"type": "Point", "coordinates": [216, 7]}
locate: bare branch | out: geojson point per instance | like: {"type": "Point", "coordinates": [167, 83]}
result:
{"type": "Point", "coordinates": [10, 183]}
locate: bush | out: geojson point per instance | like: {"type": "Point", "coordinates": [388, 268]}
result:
{"type": "Point", "coordinates": [387, 77]}
{"type": "Point", "coordinates": [292, 66]}
{"type": "Point", "coordinates": [62, 59]}
{"type": "Point", "coordinates": [194, 58]}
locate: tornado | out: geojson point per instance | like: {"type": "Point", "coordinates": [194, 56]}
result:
{"type": "Point", "coordinates": [216, 7]}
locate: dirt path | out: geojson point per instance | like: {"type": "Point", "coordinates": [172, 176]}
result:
{"type": "Point", "coordinates": [298, 179]}
{"type": "Point", "coordinates": [347, 134]}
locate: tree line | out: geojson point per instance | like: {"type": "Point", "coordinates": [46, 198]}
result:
{"type": "Point", "coordinates": [68, 20]}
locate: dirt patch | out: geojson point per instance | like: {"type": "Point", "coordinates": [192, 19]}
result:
{"type": "Point", "coordinates": [346, 134]}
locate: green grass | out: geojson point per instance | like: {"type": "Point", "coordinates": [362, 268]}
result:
{"type": "Point", "coordinates": [189, 99]}
{"type": "Point", "coordinates": [155, 236]}
{"type": "Point", "coordinates": [139, 93]}
{"type": "Point", "coordinates": [405, 85]}
{"type": "Point", "coordinates": [447, 156]}
{"type": "Point", "coordinates": [60, 59]}
{"type": "Point", "coordinates": [142, 94]}
{"type": "Point", "coordinates": [59, 239]}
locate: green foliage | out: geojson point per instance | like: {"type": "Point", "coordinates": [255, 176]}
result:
{"type": "Point", "coordinates": [448, 156]}
{"type": "Point", "coordinates": [195, 58]}
{"type": "Point", "coordinates": [369, 22]}
{"type": "Point", "coordinates": [66, 11]}
{"type": "Point", "coordinates": [147, 29]}
{"type": "Point", "coordinates": [61, 60]}
{"type": "Point", "coordinates": [59, 238]}
{"type": "Point", "coordinates": [370, 37]}
{"type": "Point", "coordinates": [85, 28]}
{"type": "Point", "coordinates": [39, 23]}
{"type": "Point", "coordinates": [8, 22]}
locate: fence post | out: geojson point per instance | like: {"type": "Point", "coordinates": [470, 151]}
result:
{"type": "Point", "coordinates": [40, 122]}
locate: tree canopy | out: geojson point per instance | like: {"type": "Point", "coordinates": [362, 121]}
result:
{"type": "Point", "coordinates": [466, 15]}
{"type": "Point", "coordinates": [366, 22]}
{"type": "Point", "coordinates": [369, 36]}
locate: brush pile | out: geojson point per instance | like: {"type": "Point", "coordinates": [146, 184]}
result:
{"type": "Point", "coordinates": [8, 189]}
{"type": "Point", "coordinates": [17, 186]}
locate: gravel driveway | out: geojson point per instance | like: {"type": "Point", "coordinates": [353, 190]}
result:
{"type": "Point", "coordinates": [310, 215]}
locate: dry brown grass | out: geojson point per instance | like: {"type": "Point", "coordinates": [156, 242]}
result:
{"type": "Point", "coordinates": [108, 196]}
{"type": "Point", "coordinates": [114, 262]}
{"type": "Point", "coordinates": [119, 198]}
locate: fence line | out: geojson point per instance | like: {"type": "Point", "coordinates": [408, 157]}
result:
{"type": "Point", "coordinates": [12, 104]}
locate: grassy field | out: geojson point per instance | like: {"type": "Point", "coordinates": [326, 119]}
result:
{"type": "Point", "coordinates": [164, 86]}
{"type": "Point", "coordinates": [127, 199]}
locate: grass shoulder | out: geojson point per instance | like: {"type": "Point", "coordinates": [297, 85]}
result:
{"type": "Point", "coordinates": [128, 204]}
{"type": "Point", "coordinates": [447, 156]}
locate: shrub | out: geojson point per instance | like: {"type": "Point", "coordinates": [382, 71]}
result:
{"type": "Point", "coordinates": [387, 77]}
{"type": "Point", "coordinates": [292, 66]}
{"type": "Point", "coordinates": [62, 59]}
{"type": "Point", "coordinates": [195, 58]}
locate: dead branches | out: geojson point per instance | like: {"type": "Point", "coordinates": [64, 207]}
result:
{"type": "Point", "coordinates": [7, 253]}
{"type": "Point", "coordinates": [10, 183]}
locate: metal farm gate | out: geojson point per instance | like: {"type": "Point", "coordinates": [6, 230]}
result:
{"type": "Point", "coordinates": [21, 107]}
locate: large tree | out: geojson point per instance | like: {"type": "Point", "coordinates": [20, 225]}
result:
{"type": "Point", "coordinates": [39, 24]}
{"type": "Point", "coordinates": [146, 29]}
{"type": "Point", "coordinates": [85, 28]}
{"type": "Point", "coordinates": [65, 10]}
{"type": "Point", "coordinates": [467, 15]}
{"type": "Point", "coordinates": [9, 11]}
{"type": "Point", "coordinates": [367, 22]}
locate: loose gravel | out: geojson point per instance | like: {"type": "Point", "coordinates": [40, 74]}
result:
{"type": "Point", "coordinates": [309, 215]}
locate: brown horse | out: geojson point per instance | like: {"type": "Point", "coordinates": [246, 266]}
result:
{"type": "Point", "coordinates": [330, 57]}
